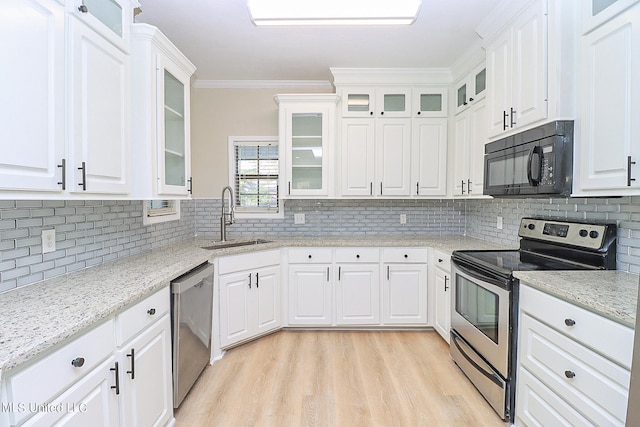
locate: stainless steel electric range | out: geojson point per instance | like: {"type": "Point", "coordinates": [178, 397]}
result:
{"type": "Point", "coordinates": [484, 307]}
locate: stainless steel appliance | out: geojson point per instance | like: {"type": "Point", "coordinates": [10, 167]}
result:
{"type": "Point", "coordinates": [536, 162]}
{"type": "Point", "coordinates": [484, 309]}
{"type": "Point", "coordinates": [191, 308]}
{"type": "Point", "coordinates": [633, 409]}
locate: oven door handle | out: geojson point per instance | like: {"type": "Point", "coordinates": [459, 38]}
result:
{"type": "Point", "coordinates": [482, 276]}
{"type": "Point", "coordinates": [490, 375]}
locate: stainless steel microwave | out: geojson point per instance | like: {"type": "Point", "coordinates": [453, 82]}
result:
{"type": "Point", "coordinates": [536, 162]}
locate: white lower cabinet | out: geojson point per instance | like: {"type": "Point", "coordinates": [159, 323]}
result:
{"type": "Point", "coordinates": [404, 288]}
{"type": "Point", "coordinates": [358, 286]}
{"type": "Point", "coordinates": [249, 296]}
{"type": "Point", "coordinates": [442, 284]}
{"type": "Point", "coordinates": [568, 371]}
{"type": "Point", "coordinates": [310, 287]}
{"type": "Point", "coordinates": [97, 379]}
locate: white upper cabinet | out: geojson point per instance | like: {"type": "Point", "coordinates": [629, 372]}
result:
{"type": "Point", "coordinates": [597, 12]}
{"type": "Point", "coordinates": [359, 102]}
{"type": "Point", "coordinates": [470, 135]}
{"type": "Point", "coordinates": [393, 157]}
{"type": "Point", "coordinates": [100, 122]}
{"type": "Point", "coordinates": [306, 128]}
{"type": "Point", "coordinates": [32, 131]}
{"type": "Point", "coordinates": [608, 156]}
{"type": "Point", "coordinates": [429, 157]}
{"type": "Point", "coordinates": [516, 72]}
{"type": "Point", "coordinates": [430, 102]}
{"type": "Point", "coordinates": [471, 89]}
{"type": "Point", "coordinates": [393, 101]}
{"type": "Point", "coordinates": [161, 116]}
{"type": "Point", "coordinates": [109, 18]}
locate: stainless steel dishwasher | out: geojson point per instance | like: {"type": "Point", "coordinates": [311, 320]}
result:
{"type": "Point", "coordinates": [191, 311]}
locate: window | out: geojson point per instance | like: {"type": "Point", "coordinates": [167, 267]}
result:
{"type": "Point", "coordinates": [254, 172]}
{"type": "Point", "coordinates": [155, 211]}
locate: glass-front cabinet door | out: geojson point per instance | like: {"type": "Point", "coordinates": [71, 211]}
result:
{"type": "Point", "coordinates": [359, 102]}
{"type": "Point", "coordinates": [306, 133]}
{"type": "Point", "coordinates": [110, 18]}
{"type": "Point", "coordinates": [430, 102]}
{"type": "Point", "coordinates": [174, 165]}
{"type": "Point", "coordinates": [393, 102]}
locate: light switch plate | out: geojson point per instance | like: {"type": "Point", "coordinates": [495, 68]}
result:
{"type": "Point", "coordinates": [403, 218]}
{"type": "Point", "coordinates": [48, 241]}
{"type": "Point", "coordinates": [298, 218]}
{"type": "Point", "coordinates": [499, 223]}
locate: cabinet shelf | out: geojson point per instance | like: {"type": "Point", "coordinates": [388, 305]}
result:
{"type": "Point", "coordinates": [174, 153]}
{"type": "Point", "coordinates": [172, 114]}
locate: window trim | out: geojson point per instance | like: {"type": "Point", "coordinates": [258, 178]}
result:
{"type": "Point", "coordinates": [161, 214]}
{"type": "Point", "coordinates": [239, 140]}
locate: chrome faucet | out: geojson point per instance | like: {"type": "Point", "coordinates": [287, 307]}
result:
{"type": "Point", "coordinates": [227, 218]}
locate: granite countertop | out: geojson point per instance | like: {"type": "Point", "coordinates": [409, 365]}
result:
{"type": "Point", "coordinates": [612, 294]}
{"type": "Point", "coordinates": [36, 317]}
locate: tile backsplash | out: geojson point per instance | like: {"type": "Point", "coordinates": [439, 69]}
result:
{"type": "Point", "coordinates": [89, 233]}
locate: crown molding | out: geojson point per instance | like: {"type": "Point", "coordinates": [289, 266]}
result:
{"type": "Point", "coordinates": [263, 84]}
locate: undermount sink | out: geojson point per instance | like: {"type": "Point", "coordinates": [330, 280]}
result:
{"type": "Point", "coordinates": [236, 243]}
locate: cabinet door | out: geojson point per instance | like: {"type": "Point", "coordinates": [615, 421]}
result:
{"type": "Point", "coordinates": [266, 299]}
{"type": "Point", "coordinates": [358, 294]}
{"type": "Point", "coordinates": [461, 156]}
{"type": "Point", "coordinates": [235, 307]}
{"type": "Point", "coordinates": [32, 131]}
{"type": "Point", "coordinates": [475, 150]}
{"type": "Point", "coordinates": [609, 126]}
{"type": "Point", "coordinates": [429, 157]}
{"type": "Point", "coordinates": [404, 294]}
{"type": "Point", "coordinates": [442, 316]}
{"type": "Point", "coordinates": [145, 374]}
{"type": "Point", "coordinates": [93, 401]}
{"type": "Point", "coordinates": [430, 102]}
{"type": "Point", "coordinates": [99, 114]}
{"type": "Point", "coordinates": [478, 83]}
{"type": "Point", "coordinates": [529, 92]}
{"type": "Point", "coordinates": [393, 157]}
{"type": "Point", "coordinates": [499, 95]}
{"type": "Point", "coordinates": [174, 154]}
{"type": "Point", "coordinates": [461, 91]}
{"type": "Point", "coordinates": [307, 161]}
{"type": "Point", "coordinates": [393, 102]}
{"type": "Point", "coordinates": [358, 157]}
{"type": "Point", "coordinates": [358, 102]}
{"type": "Point", "coordinates": [310, 298]}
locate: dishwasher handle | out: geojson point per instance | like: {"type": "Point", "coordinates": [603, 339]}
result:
{"type": "Point", "coordinates": [191, 279]}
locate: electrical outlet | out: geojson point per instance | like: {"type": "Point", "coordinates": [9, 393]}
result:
{"type": "Point", "coordinates": [403, 218]}
{"type": "Point", "coordinates": [48, 241]}
{"type": "Point", "coordinates": [499, 223]}
{"type": "Point", "coordinates": [298, 218]}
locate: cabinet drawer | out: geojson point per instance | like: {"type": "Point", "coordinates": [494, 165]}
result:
{"type": "Point", "coordinates": [603, 335]}
{"type": "Point", "coordinates": [364, 255]}
{"type": "Point", "coordinates": [310, 255]}
{"type": "Point", "coordinates": [235, 263]}
{"type": "Point", "coordinates": [589, 382]}
{"type": "Point", "coordinates": [43, 380]}
{"type": "Point", "coordinates": [442, 260]}
{"type": "Point", "coordinates": [538, 405]}
{"type": "Point", "coordinates": [142, 314]}
{"type": "Point", "coordinates": [412, 255]}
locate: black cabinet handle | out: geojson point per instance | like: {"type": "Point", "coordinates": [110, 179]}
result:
{"type": "Point", "coordinates": [63, 181]}
{"type": "Point", "coordinates": [339, 272]}
{"type": "Point", "coordinates": [190, 186]}
{"type": "Point", "coordinates": [417, 188]}
{"type": "Point", "coordinates": [629, 179]}
{"type": "Point", "coordinates": [78, 362]}
{"type": "Point", "coordinates": [462, 186]}
{"type": "Point", "coordinates": [468, 186]}
{"type": "Point", "coordinates": [289, 187]}
{"type": "Point", "coordinates": [569, 322]}
{"type": "Point", "coordinates": [151, 311]}
{"type": "Point", "coordinates": [249, 280]}
{"type": "Point", "coordinates": [257, 280]}
{"type": "Point", "coordinates": [83, 184]}
{"type": "Point", "coordinates": [381, 188]}
{"type": "Point", "coordinates": [327, 274]}
{"type": "Point", "coordinates": [513, 116]}
{"type": "Point", "coordinates": [388, 273]}
{"type": "Point", "coordinates": [504, 120]}
{"type": "Point", "coordinates": [569, 374]}
{"type": "Point", "coordinates": [371, 188]}
{"type": "Point", "coordinates": [446, 286]}
{"type": "Point", "coordinates": [117, 372]}
{"type": "Point", "coordinates": [132, 355]}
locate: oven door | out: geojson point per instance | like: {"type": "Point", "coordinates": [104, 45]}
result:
{"type": "Point", "coordinates": [480, 314]}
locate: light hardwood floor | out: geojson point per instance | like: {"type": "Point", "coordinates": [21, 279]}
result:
{"type": "Point", "coordinates": [336, 378]}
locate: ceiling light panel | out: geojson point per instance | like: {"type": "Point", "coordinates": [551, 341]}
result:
{"type": "Point", "coordinates": [333, 12]}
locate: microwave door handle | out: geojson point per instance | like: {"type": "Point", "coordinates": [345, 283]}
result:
{"type": "Point", "coordinates": [534, 181]}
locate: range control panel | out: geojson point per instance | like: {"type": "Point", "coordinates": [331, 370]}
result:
{"type": "Point", "coordinates": [590, 236]}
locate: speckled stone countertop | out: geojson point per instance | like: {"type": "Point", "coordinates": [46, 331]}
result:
{"type": "Point", "coordinates": [34, 318]}
{"type": "Point", "coordinates": [612, 294]}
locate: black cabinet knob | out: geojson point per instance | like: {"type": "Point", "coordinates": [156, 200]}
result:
{"type": "Point", "coordinates": [569, 374]}
{"type": "Point", "coordinates": [309, 256]}
{"type": "Point", "coordinates": [358, 256]}
{"type": "Point", "coordinates": [371, 113]}
{"type": "Point", "coordinates": [419, 112]}
{"type": "Point", "coordinates": [83, 8]}
{"type": "Point", "coordinates": [569, 322]}
{"type": "Point", "coordinates": [382, 113]}
{"type": "Point", "coordinates": [406, 256]}
{"type": "Point", "coordinates": [78, 362]}
{"type": "Point", "coordinates": [440, 260]}
{"type": "Point", "coordinates": [151, 311]}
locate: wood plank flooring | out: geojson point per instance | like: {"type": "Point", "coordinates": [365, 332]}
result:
{"type": "Point", "coordinates": [337, 378]}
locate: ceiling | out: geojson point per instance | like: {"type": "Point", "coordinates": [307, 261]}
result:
{"type": "Point", "coordinates": [219, 38]}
